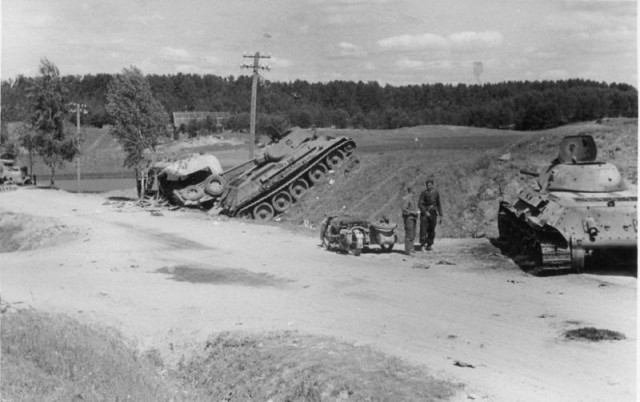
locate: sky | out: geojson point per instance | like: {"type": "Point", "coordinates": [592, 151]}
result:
{"type": "Point", "coordinates": [396, 42]}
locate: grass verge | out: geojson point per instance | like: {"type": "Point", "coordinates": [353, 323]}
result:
{"type": "Point", "coordinates": [292, 367]}
{"type": "Point", "coordinates": [55, 358]}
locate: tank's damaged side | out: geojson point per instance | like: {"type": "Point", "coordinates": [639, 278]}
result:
{"type": "Point", "coordinates": [294, 162]}
{"type": "Point", "coordinates": [582, 209]}
{"type": "Point", "coordinates": [192, 180]}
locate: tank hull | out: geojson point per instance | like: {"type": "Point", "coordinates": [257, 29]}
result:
{"type": "Point", "coordinates": [561, 230]}
{"type": "Point", "coordinates": [274, 184]}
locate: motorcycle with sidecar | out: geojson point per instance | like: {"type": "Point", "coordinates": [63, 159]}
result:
{"type": "Point", "coordinates": [352, 234]}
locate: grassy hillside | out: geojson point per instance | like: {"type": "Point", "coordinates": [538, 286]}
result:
{"type": "Point", "coordinates": [464, 161]}
{"type": "Point", "coordinates": [468, 172]}
{"type": "Point", "coordinates": [102, 156]}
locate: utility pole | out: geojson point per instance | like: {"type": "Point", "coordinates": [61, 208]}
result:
{"type": "Point", "coordinates": [79, 108]}
{"type": "Point", "coordinates": [254, 94]}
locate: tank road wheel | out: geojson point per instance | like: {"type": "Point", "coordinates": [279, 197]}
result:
{"type": "Point", "coordinates": [245, 214]}
{"type": "Point", "coordinates": [215, 185]}
{"type": "Point", "coordinates": [282, 201]}
{"type": "Point", "coordinates": [298, 188]}
{"type": "Point", "coordinates": [317, 173]}
{"type": "Point", "coordinates": [335, 159]}
{"type": "Point", "coordinates": [263, 212]}
{"type": "Point", "coordinates": [348, 148]}
{"type": "Point", "coordinates": [577, 259]}
{"type": "Point", "coordinates": [192, 193]}
{"type": "Point", "coordinates": [386, 247]}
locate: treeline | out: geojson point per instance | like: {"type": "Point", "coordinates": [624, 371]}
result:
{"type": "Point", "coordinates": [521, 105]}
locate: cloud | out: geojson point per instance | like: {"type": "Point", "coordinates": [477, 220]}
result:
{"type": "Point", "coordinates": [280, 63]}
{"type": "Point", "coordinates": [347, 46]}
{"type": "Point", "coordinates": [557, 74]}
{"type": "Point", "coordinates": [438, 64]}
{"type": "Point", "coordinates": [355, 12]}
{"type": "Point", "coordinates": [212, 60]}
{"type": "Point", "coordinates": [189, 68]}
{"type": "Point", "coordinates": [593, 27]}
{"type": "Point", "coordinates": [349, 49]}
{"type": "Point", "coordinates": [40, 21]}
{"type": "Point", "coordinates": [173, 52]}
{"type": "Point", "coordinates": [408, 64]}
{"type": "Point", "coordinates": [476, 40]}
{"type": "Point", "coordinates": [427, 41]}
{"type": "Point", "coordinates": [146, 19]}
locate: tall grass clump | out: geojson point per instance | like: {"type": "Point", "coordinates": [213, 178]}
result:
{"type": "Point", "coordinates": [56, 358]}
{"type": "Point", "coordinates": [292, 367]}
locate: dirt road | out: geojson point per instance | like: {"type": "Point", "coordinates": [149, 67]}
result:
{"type": "Point", "coordinates": [463, 302]}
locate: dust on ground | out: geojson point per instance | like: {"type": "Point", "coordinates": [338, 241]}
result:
{"type": "Point", "coordinates": [470, 316]}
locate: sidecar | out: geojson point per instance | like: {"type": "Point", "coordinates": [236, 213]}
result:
{"type": "Point", "coordinates": [353, 234]}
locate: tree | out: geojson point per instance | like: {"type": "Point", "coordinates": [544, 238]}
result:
{"type": "Point", "coordinates": [26, 138]}
{"type": "Point", "coordinates": [138, 118]}
{"type": "Point", "coordinates": [48, 101]}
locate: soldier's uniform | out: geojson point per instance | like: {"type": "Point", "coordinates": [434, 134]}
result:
{"type": "Point", "coordinates": [430, 209]}
{"type": "Point", "coordinates": [410, 218]}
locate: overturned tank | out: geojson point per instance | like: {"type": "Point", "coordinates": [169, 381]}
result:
{"type": "Point", "coordinates": [582, 208]}
{"type": "Point", "coordinates": [190, 180]}
{"type": "Point", "coordinates": [291, 164]}
{"type": "Point", "coordinates": [260, 188]}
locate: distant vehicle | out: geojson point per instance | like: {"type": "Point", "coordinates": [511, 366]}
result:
{"type": "Point", "coordinates": [12, 174]}
{"type": "Point", "coordinates": [582, 208]}
{"type": "Point", "coordinates": [261, 188]}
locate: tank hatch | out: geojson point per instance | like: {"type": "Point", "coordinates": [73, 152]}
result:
{"type": "Point", "coordinates": [577, 149]}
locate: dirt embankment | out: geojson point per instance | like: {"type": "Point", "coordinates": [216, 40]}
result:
{"type": "Point", "coordinates": [171, 280]}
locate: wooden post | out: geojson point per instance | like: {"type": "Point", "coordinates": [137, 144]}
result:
{"type": "Point", "coordinates": [254, 96]}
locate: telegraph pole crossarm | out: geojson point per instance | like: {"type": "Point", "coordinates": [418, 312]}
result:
{"type": "Point", "coordinates": [254, 94]}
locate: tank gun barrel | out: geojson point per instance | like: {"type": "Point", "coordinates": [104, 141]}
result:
{"type": "Point", "coordinates": [529, 173]}
{"type": "Point", "coordinates": [240, 166]}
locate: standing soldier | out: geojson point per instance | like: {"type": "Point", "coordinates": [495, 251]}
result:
{"type": "Point", "coordinates": [430, 213]}
{"type": "Point", "coordinates": [410, 217]}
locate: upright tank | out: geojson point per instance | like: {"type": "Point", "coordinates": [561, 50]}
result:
{"type": "Point", "coordinates": [289, 166]}
{"type": "Point", "coordinates": [581, 207]}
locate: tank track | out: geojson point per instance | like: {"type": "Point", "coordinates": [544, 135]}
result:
{"type": "Point", "coordinates": [529, 248]}
{"type": "Point", "coordinates": [348, 147]}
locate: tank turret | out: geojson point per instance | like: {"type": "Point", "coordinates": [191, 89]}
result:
{"type": "Point", "coordinates": [581, 207]}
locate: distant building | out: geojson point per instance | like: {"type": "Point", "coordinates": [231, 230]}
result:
{"type": "Point", "coordinates": [180, 118]}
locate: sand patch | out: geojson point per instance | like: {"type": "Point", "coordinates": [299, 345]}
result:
{"type": "Point", "coordinates": [19, 232]}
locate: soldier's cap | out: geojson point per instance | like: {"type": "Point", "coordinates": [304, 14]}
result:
{"type": "Point", "coordinates": [429, 181]}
